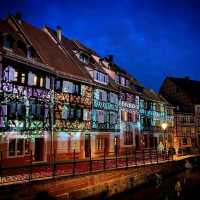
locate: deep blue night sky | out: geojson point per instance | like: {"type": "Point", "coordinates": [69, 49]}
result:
{"type": "Point", "coordinates": [150, 38]}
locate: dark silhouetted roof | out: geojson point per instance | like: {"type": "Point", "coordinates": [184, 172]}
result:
{"type": "Point", "coordinates": [191, 87]}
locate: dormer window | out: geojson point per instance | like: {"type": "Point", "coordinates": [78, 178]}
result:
{"type": "Point", "coordinates": [100, 77]}
{"type": "Point", "coordinates": [7, 42]}
{"type": "Point", "coordinates": [84, 58]}
{"type": "Point", "coordinates": [122, 80]}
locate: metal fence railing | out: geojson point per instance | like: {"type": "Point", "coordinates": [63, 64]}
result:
{"type": "Point", "coordinates": [30, 170]}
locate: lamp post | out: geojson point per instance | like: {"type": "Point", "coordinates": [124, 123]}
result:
{"type": "Point", "coordinates": [164, 127]}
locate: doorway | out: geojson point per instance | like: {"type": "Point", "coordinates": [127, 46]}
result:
{"type": "Point", "coordinates": [39, 149]}
{"type": "Point", "coordinates": [87, 145]}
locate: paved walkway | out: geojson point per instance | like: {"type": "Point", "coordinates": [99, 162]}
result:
{"type": "Point", "coordinates": [19, 174]}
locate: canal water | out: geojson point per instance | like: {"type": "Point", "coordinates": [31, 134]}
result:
{"type": "Point", "coordinates": [183, 186]}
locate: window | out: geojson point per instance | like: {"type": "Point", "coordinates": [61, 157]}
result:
{"type": "Point", "coordinates": [41, 81]}
{"type": "Point", "coordinates": [19, 77]}
{"type": "Point", "coordinates": [58, 85]}
{"type": "Point", "coordinates": [113, 98]}
{"type": "Point", "coordinates": [124, 116]}
{"type": "Point", "coordinates": [36, 80]}
{"type": "Point", "coordinates": [86, 114]}
{"type": "Point", "coordinates": [122, 81]}
{"type": "Point", "coordinates": [117, 79]}
{"type": "Point", "coordinates": [84, 58]}
{"type": "Point", "coordinates": [10, 74]}
{"type": "Point", "coordinates": [128, 138]}
{"type": "Point", "coordinates": [100, 143]}
{"type": "Point", "coordinates": [12, 143]}
{"type": "Point", "coordinates": [8, 42]}
{"type": "Point", "coordinates": [78, 114]}
{"type": "Point", "coordinates": [100, 77]}
{"type": "Point", "coordinates": [47, 83]}
{"type": "Point", "coordinates": [19, 146]}
{"type": "Point", "coordinates": [3, 113]}
{"type": "Point", "coordinates": [102, 95]}
{"type": "Point", "coordinates": [76, 89]}
{"type": "Point", "coordinates": [23, 78]}
{"type": "Point", "coordinates": [15, 76]}
{"type": "Point", "coordinates": [29, 53]}
{"type": "Point", "coordinates": [100, 116]}
{"type": "Point", "coordinates": [113, 117]}
{"type": "Point", "coordinates": [130, 98]}
{"type": "Point", "coordinates": [16, 110]}
{"type": "Point", "coordinates": [139, 88]}
{"type": "Point", "coordinates": [36, 110]}
{"type": "Point", "coordinates": [65, 112]}
{"type": "Point", "coordinates": [68, 87]}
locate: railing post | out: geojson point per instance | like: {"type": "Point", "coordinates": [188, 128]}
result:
{"type": "Point", "coordinates": [74, 162]}
{"type": "Point", "coordinates": [157, 155]}
{"type": "Point", "coordinates": [31, 166]}
{"type": "Point", "coordinates": [104, 159]}
{"type": "Point", "coordinates": [90, 162]}
{"type": "Point", "coordinates": [150, 154]}
{"type": "Point", "coordinates": [135, 157]}
{"type": "Point", "coordinates": [126, 159]}
{"type": "Point", "coordinates": [1, 166]}
{"type": "Point", "coordinates": [116, 156]}
{"type": "Point", "coordinates": [143, 156]}
{"type": "Point", "coordinates": [54, 163]}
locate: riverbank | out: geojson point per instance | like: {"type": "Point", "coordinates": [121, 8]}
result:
{"type": "Point", "coordinates": [98, 185]}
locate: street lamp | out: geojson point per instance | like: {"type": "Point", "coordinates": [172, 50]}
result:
{"type": "Point", "coordinates": [164, 127]}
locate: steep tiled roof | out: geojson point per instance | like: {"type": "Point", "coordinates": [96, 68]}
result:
{"type": "Point", "coordinates": [7, 28]}
{"type": "Point", "coordinates": [152, 95]}
{"type": "Point", "coordinates": [71, 46]}
{"type": "Point", "coordinates": [50, 52]}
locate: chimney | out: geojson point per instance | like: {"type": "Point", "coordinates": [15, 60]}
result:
{"type": "Point", "coordinates": [18, 17]}
{"type": "Point", "coordinates": [59, 33]}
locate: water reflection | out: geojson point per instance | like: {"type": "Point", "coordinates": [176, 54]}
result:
{"type": "Point", "coordinates": [183, 186]}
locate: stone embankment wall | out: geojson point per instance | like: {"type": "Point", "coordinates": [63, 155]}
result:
{"type": "Point", "coordinates": [102, 184]}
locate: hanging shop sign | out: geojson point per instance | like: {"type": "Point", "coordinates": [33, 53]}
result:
{"type": "Point", "coordinates": [74, 125]}
{"type": "Point", "coordinates": [125, 104]}
{"type": "Point", "coordinates": [105, 105]}
{"type": "Point", "coordinates": [16, 91]}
